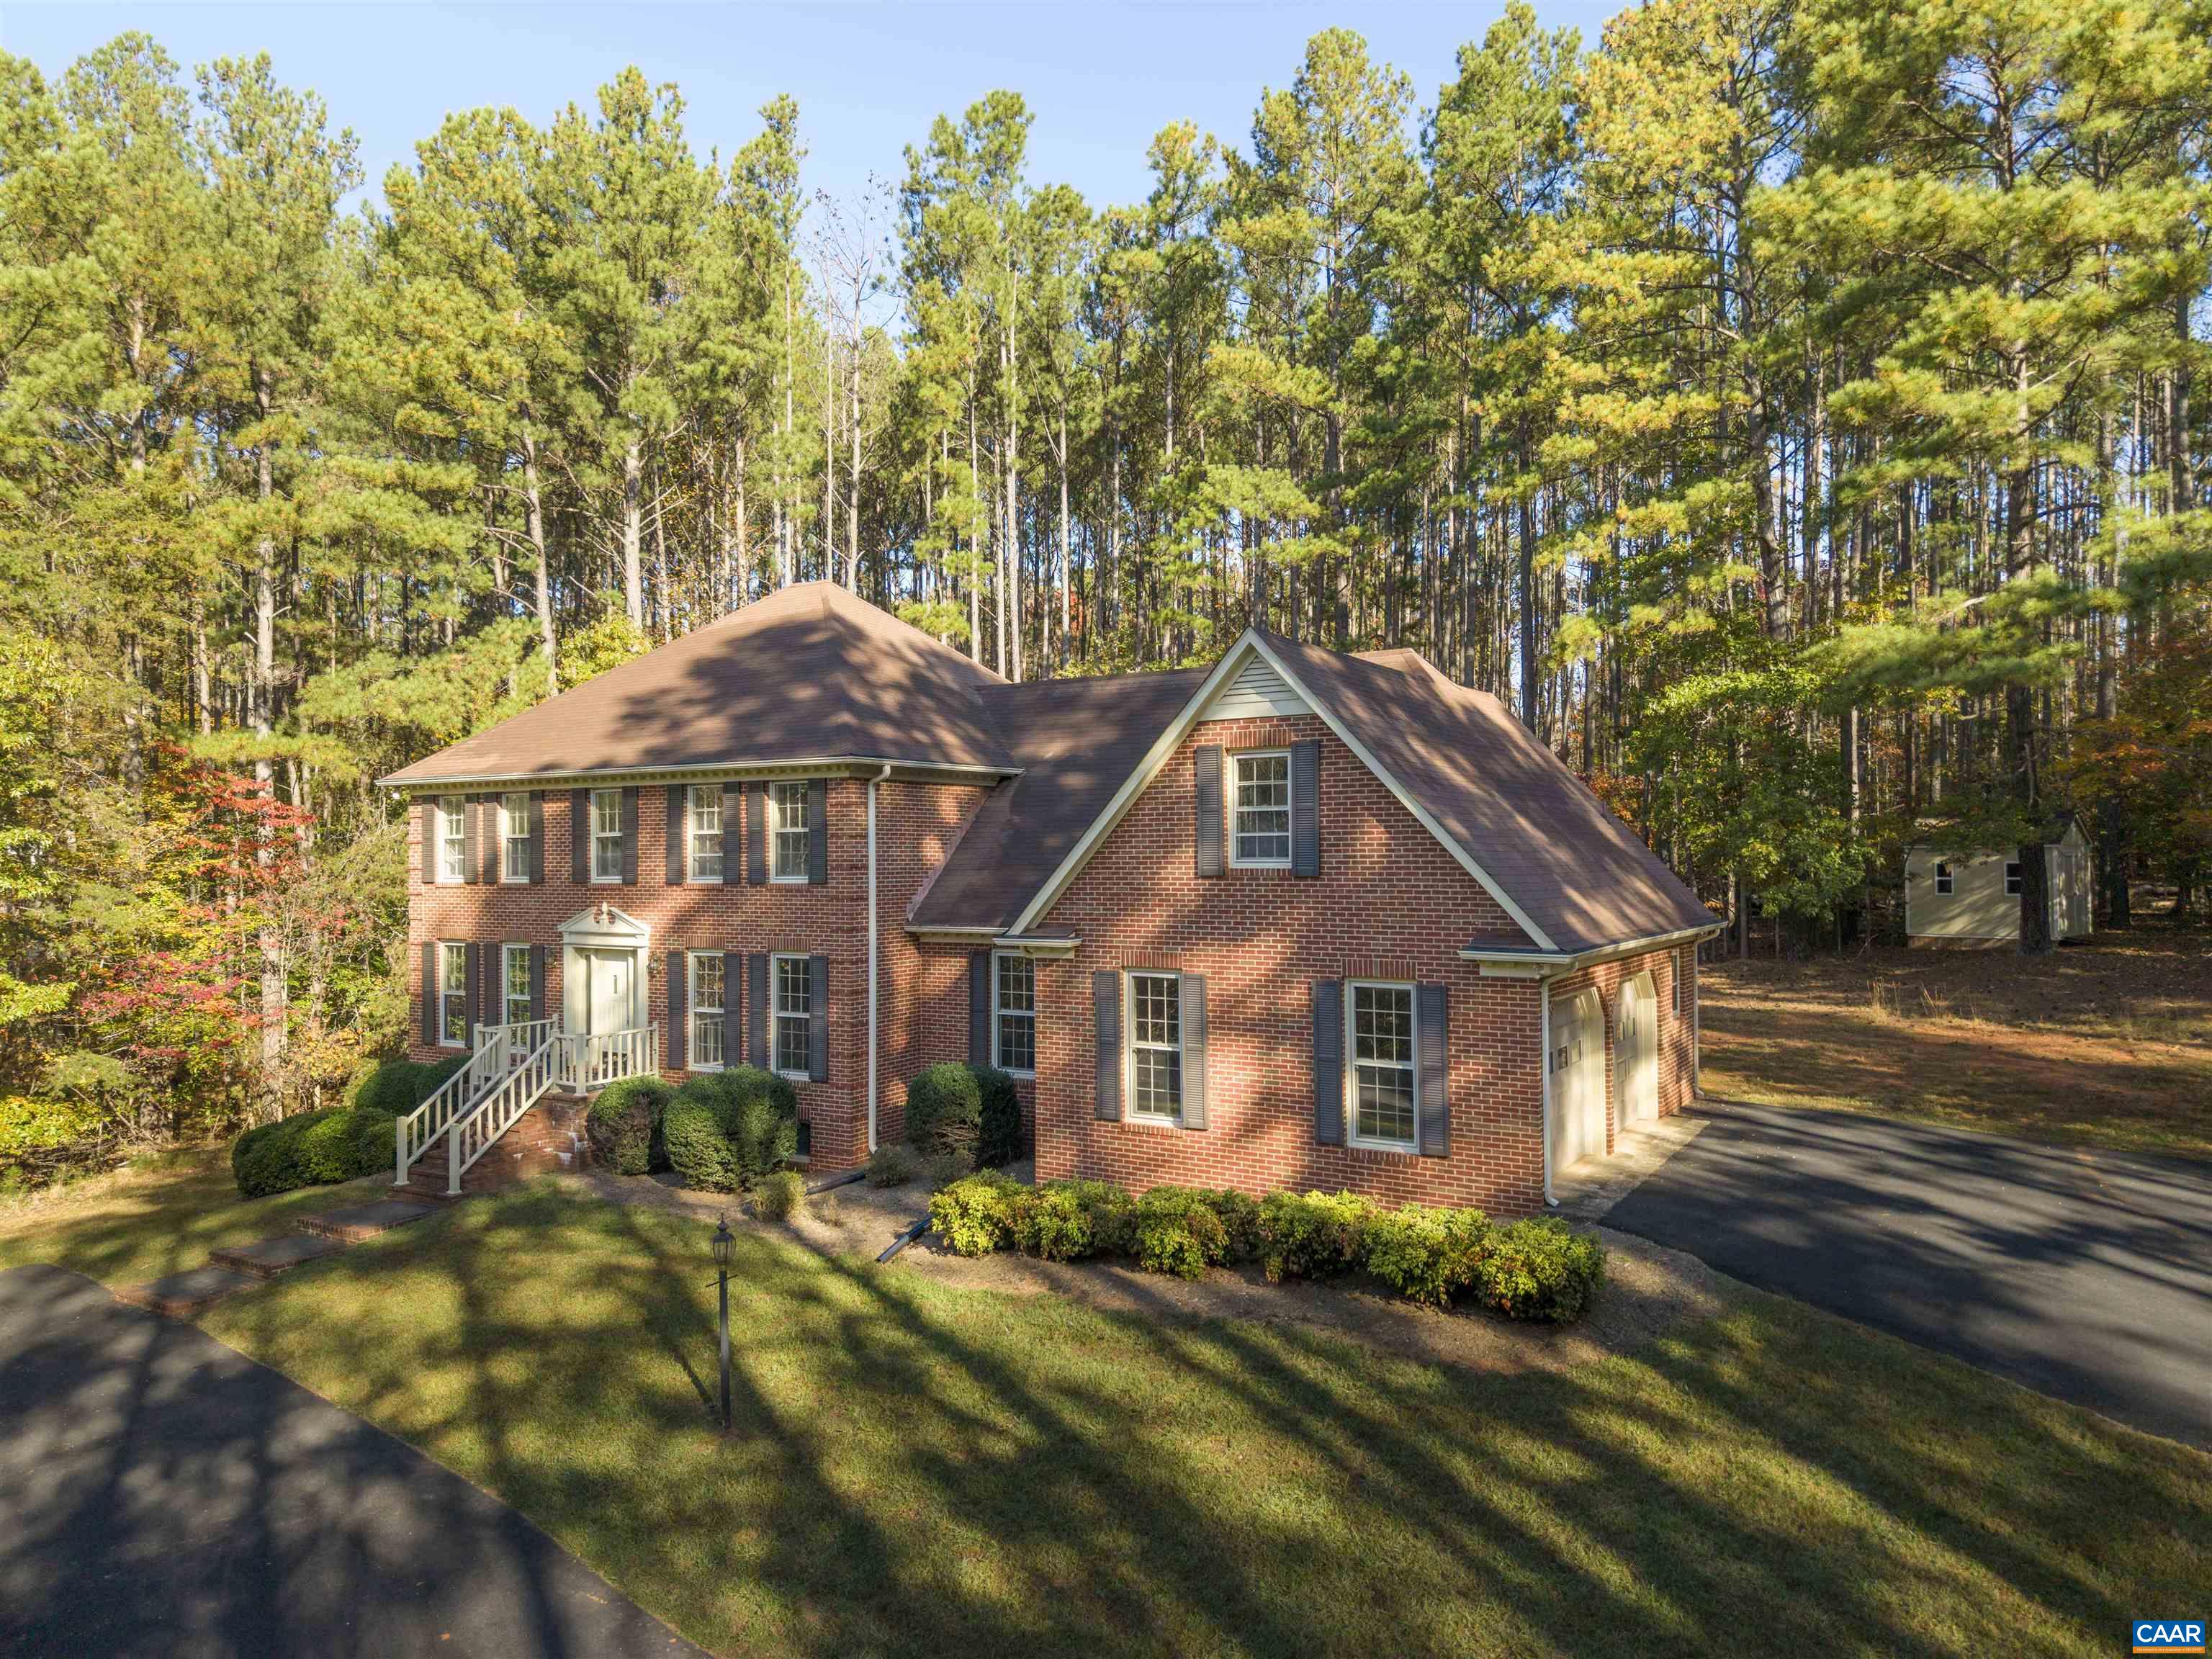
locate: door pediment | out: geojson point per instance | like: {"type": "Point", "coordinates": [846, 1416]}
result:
{"type": "Point", "coordinates": [603, 927]}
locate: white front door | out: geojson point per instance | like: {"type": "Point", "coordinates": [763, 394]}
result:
{"type": "Point", "coordinates": [613, 982]}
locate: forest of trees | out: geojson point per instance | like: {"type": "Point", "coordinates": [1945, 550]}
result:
{"type": "Point", "coordinates": [1795, 411]}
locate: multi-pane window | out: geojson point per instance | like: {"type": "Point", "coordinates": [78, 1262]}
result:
{"type": "Point", "coordinates": [704, 819]}
{"type": "Point", "coordinates": [514, 979]}
{"type": "Point", "coordinates": [1382, 1063]}
{"type": "Point", "coordinates": [787, 831]}
{"type": "Point", "coordinates": [1014, 1011]}
{"type": "Point", "coordinates": [709, 1019]}
{"type": "Point", "coordinates": [514, 837]}
{"type": "Point", "coordinates": [606, 834]}
{"type": "Point", "coordinates": [452, 839]}
{"type": "Point", "coordinates": [793, 1004]}
{"type": "Point", "coordinates": [1943, 877]}
{"type": "Point", "coordinates": [453, 996]}
{"type": "Point", "coordinates": [2012, 875]}
{"type": "Point", "coordinates": [1156, 1044]}
{"type": "Point", "coordinates": [1260, 826]}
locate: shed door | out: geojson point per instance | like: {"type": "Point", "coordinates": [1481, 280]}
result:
{"type": "Point", "coordinates": [1577, 1079]}
{"type": "Point", "coordinates": [1636, 1058]}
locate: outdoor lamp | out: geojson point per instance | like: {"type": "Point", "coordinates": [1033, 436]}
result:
{"type": "Point", "coordinates": [725, 1244]}
{"type": "Point", "coordinates": [725, 1247]}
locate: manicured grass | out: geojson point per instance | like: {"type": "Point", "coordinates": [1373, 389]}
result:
{"type": "Point", "coordinates": [921, 1469]}
{"type": "Point", "coordinates": [2107, 1043]}
{"type": "Point", "coordinates": [157, 1217]}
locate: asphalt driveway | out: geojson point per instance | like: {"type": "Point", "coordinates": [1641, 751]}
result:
{"type": "Point", "coordinates": [2083, 1274]}
{"type": "Point", "coordinates": [164, 1495]}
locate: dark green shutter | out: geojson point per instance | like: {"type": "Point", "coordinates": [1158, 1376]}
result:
{"type": "Point", "coordinates": [1305, 808]}
{"type": "Point", "coordinates": [676, 1027]}
{"type": "Point", "coordinates": [430, 1027]}
{"type": "Point", "coordinates": [755, 834]}
{"type": "Point", "coordinates": [817, 831]}
{"type": "Point", "coordinates": [817, 1035]}
{"type": "Point", "coordinates": [1194, 1051]}
{"type": "Point", "coordinates": [978, 1008]}
{"type": "Point", "coordinates": [734, 1003]}
{"type": "Point", "coordinates": [538, 981]}
{"type": "Point", "coordinates": [1329, 1062]}
{"type": "Point", "coordinates": [733, 818]}
{"type": "Point", "coordinates": [629, 836]}
{"type": "Point", "coordinates": [471, 807]}
{"type": "Point", "coordinates": [1433, 1016]}
{"type": "Point", "coordinates": [491, 844]}
{"type": "Point", "coordinates": [676, 827]}
{"type": "Point", "coordinates": [426, 812]}
{"type": "Point", "coordinates": [756, 1006]}
{"type": "Point", "coordinates": [1208, 795]}
{"type": "Point", "coordinates": [537, 842]}
{"type": "Point", "coordinates": [1106, 1023]}
{"type": "Point", "coordinates": [580, 835]}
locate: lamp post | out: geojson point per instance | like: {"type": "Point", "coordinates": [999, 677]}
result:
{"type": "Point", "coordinates": [726, 1246]}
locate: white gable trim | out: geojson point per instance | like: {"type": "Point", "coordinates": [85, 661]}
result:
{"type": "Point", "coordinates": [1249, 645]}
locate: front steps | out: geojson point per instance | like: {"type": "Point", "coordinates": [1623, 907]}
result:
{"type": "Point", "coordinates": [544, 1140]}
{"type": "Point", "coordinates": [180, 1295]}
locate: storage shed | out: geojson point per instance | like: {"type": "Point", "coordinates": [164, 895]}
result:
{"type": "Point", "coordinates": [1957, 897]}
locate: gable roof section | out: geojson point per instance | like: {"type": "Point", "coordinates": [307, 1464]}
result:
{"type": "Point", "coordinates": [811, 672]}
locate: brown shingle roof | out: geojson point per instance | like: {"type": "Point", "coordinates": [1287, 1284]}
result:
{"type": "Point", "coordinates": [811, 672]}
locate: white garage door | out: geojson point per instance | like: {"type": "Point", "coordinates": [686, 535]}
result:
{"type": "Point", "coordinates": [1577, 1078]}
{"type": "Point", "coordinates": [1636, 1050]}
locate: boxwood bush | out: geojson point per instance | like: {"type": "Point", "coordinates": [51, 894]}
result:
{"type": "Point", "coordinates": [624, 1124]}
{"type": "Point", "coordinates": [1430, 1255]}
{"type": "Point", "coordinates": [1540, 1270]}
{"type": "Point", "coordinates": [313, 1149]}
{"type": "Point", "coordinates": [399, 1086]}
{"type": "Point", "coordinates": [725, 1131]}
{"type": "Point", "coordinates": [998, 1119]}
{"type": "Point", "coordinates": [1313, 1235]}
{"type": "Point", "coordinates": [779, 1196]}
{"type": "Point", "coordinates": [945, 1112]}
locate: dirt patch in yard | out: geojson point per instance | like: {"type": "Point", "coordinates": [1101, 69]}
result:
{"type": "Point", "coordinates": [1649, 1291]}
{"type": "Point", "coordinates": [2108, 1042]}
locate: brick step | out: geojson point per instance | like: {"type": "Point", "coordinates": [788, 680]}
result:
{"type": "Point", "coordinates": [359, 1221]}
{"type": "Point", "coordinates": [266, 1258]}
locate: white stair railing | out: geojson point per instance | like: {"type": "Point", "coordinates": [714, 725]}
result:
{"type": "Point", "coordinates": [592, 1060]}
{"type": "Point", "coordinates": [498, 1048]}
{"type": "Point", "coordinates": [498, 1110]}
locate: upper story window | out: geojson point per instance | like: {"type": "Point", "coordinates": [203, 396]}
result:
{"type": "Point", "coordinates": [1942, 876]}
{"type": "Point", "coordinates": [2012, 875]}
{"type": "Point", "coordinates": [606, 834]}
{"type": "Point", "coordinates": [1259, 826]}
{"type": "Point", "coordinates": [452, 839]}
{"type": "Point", "coordinates": [793, 1007]}
{"type": "Point", "coordinates": [514, 978]}
{"type": "Point", "coordinates": [452, 996]}
{"type": "Point", "coordinates": [786, 832]}
{"type": "Point", "coordinates": [1013, 1014]}
{"type": "Point", "coordinates": [1156, 1045]}
{"type": "Point", "coordinates": [1381, 1056]}
{"type": "Point", "coordinates": [703, 818]}
{"type": "Point", "coordinates": [514, 837]}
{"type": "Point", "coordinates": [709, 1017]}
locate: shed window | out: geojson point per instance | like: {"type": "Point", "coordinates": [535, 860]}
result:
{"type": "Point", "coordinates": [2012, 875]}
{"type": "Point", "coordinates": [1942, 876]}
{"type": "Point", "coordinates": [1261, 830]}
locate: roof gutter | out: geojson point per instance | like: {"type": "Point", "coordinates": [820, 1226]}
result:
{"type": "Point", "coordinates": [1543, 965]}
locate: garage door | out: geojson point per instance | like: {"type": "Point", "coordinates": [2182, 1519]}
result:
{"type": "Point", "coordinates": [1577, 1078]}
{"type": "Point", "coordinates": [1636, 1050]}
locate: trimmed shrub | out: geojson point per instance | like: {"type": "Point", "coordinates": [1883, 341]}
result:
{"type": "Point", "coordinates": [1312, 1235]}
{"type": "Point", "coordinates": [1052, 1224]}
{"type": "Point", "coordinates": [1240, 1220]}
{"type": "Point", "coordinates": [399, 1086]}
{"type": "Point", "coordinates": [623, 1123]}
{"type": "Point", "coordinates": [757, 1113]}
{"type": "Point", "coordinates": [1111, 1211]}
{"type": "Point", "coordinates": [314, 1149]}
{"type": "Point", "coordinates": [974, 1215]}
{"type": "Point", "coordinates": [945, 1111]}
{"type": "Point", "coordinates": [779, 1196]}
{"type": "Point", "coordinates": [698, 1151]}
{"type": "Point", "coordinates": [998, 1119]}
{"type": "Point", "coordinates": [1428, 1255]}
{"type": "Point", "coordinates": [1540, 1270]}
{"type": "Point", "coordinates": [891, 1166]}
{"type": "Point", "coordinates": [1178, 1231]}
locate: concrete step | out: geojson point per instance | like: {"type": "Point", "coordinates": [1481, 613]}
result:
{"type": "Point", "coordinates": [266, 1258]}
{"type": "Point", "coordinates": [359, 1221]}
{"type": "Point", "coordinates": [180, 1295]}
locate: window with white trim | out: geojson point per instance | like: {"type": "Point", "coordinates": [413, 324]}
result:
{"type": "Point", "coordinates": [514, 837]}
{"type": "Point", "coordinates": [1156, 1045]}
{"type": "Point", "coordinates": [1260, 820]}
{"type": "Point", "coordinates": [515, 981]}
{"type": "Point", "coordinates": [452, 839]}
{"type": "Point", "coordinates": [2012, 875]}
{"type": "Point", "coordinates": [1382, 1065]}
{"type": "Point", "coordinates": [1013, 1013]}
{"type": "Point", "coordinates": [786, 831]}
{"type": "Point", "coordinates": [606, 834]}
{"type": "Point", "coordinates": [452, 996]}
{"type": "Point", "coordinates": [710, 1020]}
{"type": "Point", "coordinates": [792, 994]}
{"type": "Point", "coordinates": [1942, 876]}
{"type": "Point", "coordinates": [704, 819]}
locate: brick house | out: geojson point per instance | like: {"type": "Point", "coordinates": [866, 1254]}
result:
{"type": "Point", "coordinates": [1304, 918]}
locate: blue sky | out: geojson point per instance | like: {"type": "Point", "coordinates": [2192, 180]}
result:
{"type": "Point", "coordinates": [1101, 79]}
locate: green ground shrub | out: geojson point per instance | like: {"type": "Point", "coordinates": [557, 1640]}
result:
{"type": "Point", "coordinates": [313, 1149]}
{"type": "Point", "coordinates": [779, 1196]}
{"type": "Point", "coordinates": [1240, 1220]}
{"type": "Point", "coordinates": [624, 1124]}
{"type": "Point", "coordinates": [945, 1111]}
{"type": "Point", "coordinates": [698, 1151]}
{"type": "Point", "coordinates": [1111, 1211]}
{"type": "Point", "coordinates": [892, 1164]}
{"type": "Point", "coordinates": [974, 1215]}
{"type": "Point", "coordinates": [998, 1119]}
{"type": "Point", "coordinates": [1540, 1270]}
{"type": "Point", "coordinates": [1053, 1224]}
{"type": "Point", "coordinates": [1312, 1235]}
{"type": "Point", "coordinates": [1428, 1255]}
{"type": "Point", "coordinates": [399, 1086]}
{"type": "Point", "coordinates": [1178, 1231]}
{"type": "Point", "coordinates": [757, 1113]}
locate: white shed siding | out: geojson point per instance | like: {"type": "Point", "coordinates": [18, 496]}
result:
{"type": "Point", "coordinates": [1977, 907]}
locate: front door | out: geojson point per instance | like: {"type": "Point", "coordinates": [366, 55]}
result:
{"type": "Point", "coordinates": [610, 1004]}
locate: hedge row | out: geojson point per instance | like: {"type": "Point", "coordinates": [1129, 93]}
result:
{"type": "Point", "coordinates": [1538, 1270]}
{"type": "Point", "coordinates": [313, 1149]}
{"type": "Point", "coordinates": [971, 1113]}
{"type": "Point", "coordinates": [399, 1086]}
{"type": "Point", "coordinates": [721, 1132]}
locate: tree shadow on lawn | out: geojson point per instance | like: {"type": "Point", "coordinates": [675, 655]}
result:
{"type": "Point", "coordinates": [915, 1470]}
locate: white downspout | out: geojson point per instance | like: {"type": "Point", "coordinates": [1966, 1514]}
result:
{"type": "Point", "coordinates": [1544, 989]}
{"type": "Point", "coordinates": [873, 782]}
